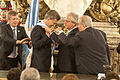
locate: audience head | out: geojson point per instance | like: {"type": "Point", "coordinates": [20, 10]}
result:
{"type": "Point", "coordinates": [70, 77]}
{"type": "Point", "coordinates": [30, 74]}
{"type": "Point", "coordinates": [14, 74]}
{"type": "Point", "coordinates": [112, 76]}
{"type": "Point", "coordinates": [51, 18]}
{"type": "Point", "coordinates": [71, 20]}
{"type": "Point", "coordinates": [12, 17]}
{"type": "Point", "coordinates": [84, 22]}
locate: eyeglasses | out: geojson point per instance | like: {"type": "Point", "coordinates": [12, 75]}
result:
{"type": "Point", "coordinates": [14, 18]}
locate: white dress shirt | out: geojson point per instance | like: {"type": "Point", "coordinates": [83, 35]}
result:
{"type": "Point", "coordinates": [12, 54]}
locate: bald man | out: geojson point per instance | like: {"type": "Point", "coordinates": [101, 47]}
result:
{"type": "Point", "coordinates": [90, 48]}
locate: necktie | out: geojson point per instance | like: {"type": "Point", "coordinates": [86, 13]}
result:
{"type": "Point", "coordinates": [14, 48]}
{"type": "Point", "coordinates": [14, 35]}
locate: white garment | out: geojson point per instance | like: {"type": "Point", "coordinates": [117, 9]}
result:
{"type": "Point", "coordinates": [63, 7]}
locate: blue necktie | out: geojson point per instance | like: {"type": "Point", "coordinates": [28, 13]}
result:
{"type": "Point", "coordinates": [14, 48]}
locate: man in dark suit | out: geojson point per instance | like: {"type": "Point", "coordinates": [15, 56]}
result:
{"type": "Point", "coordinates": [41, 56]}
{"type": "Point", "coordinates": [12, 36]}
{"type": "Point", "coordinates": [66, 56]}
{"type": "Point", "coordinates": [90, 48]}
{"type": "Point", "coordinates": [107, 47]}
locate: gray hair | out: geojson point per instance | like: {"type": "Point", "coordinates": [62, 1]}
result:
{"type": "Point", "coordinates": [70, 77]}
{"type": "Point", "coordinates": [86, 20]}
{"type": "Point", "coordinates": [30, 74]}
{"type": "Point", "coordinates": [11, 13]}
{"type": "Point", "coordinates": [73, 17]}
{"type": "Point", "coordinates": [52, 14]}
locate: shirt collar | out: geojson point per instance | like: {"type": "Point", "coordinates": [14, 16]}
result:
{"type": "Point", "coordinates": [14, 28]}
{"type": "Point", "coordinates": [72, 29]}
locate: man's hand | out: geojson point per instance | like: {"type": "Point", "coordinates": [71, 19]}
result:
{"type": "Point", "coordinates": [23, 41]}
{"type": "Point", "coordinates": [48, 34]}
{"type": "Point", "coordinates": [58, 29]}
{"type": "Point", "coordinates": [48, 31]}
{"type": "Point", "coordinates": [30, 43]}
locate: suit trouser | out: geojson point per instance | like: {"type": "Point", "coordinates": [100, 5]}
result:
{"type": "Point", "coordinates": [12, 62]}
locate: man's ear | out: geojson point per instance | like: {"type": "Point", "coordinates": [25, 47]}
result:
{"type": "Point", "coordinates": [74, 24]}
{"type": "Point", "coordinates": [48, 19]}
{"type": "Point", "coordinates": [84, 26]}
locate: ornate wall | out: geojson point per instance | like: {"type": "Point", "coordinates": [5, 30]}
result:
{"type": "Point", "coordinates": [105, 10]}
{"type": "Point", "coordinates": [99, 10]}
{"type": "Point", "coordinates": [23, 9]}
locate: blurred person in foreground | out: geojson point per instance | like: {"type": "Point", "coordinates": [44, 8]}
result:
{"type": "Point", "coordinates": [30, 74]}
{"type": "Point", "coordinates": [14, 74]}
{"type": "Point", "coordinates": [70, 77]}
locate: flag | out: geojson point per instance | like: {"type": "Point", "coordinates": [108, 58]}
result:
{"type": "Point", "coordinates": [32, 19]}
{"type": "Point", "coordinates": [25, 53]}
{"type": "Point", "coordinates": [33, 16]}
{"type": "Point", "coordinates": [13, 4]}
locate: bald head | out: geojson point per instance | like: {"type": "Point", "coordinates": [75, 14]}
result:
{"type": "Point", "coordinates": [30, 74]}
{"type": "Point", "coordinates": [84, 22]}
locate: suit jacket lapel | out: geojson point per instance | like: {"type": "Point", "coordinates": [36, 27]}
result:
{"type": "Point", "coordinates": [73, 31]}
{"type": "Point", "coordinates": [18, 32]}
{"type": "Point", "coordinates": [10, 30]}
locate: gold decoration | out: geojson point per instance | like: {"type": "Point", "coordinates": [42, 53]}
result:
{"type": "Point", "coordinates": [23, 7]}
{"type": "Point", "coordinates": [99, 10]}
{"type": "Point", "coordinates": [3, 4]}
{"type": "Point", "coordinates": [105, 10]}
